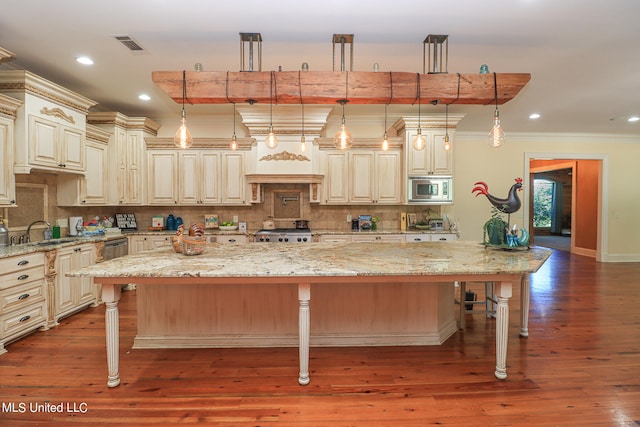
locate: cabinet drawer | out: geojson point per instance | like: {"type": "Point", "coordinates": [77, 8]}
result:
{"type": "Point", "coordinates": [16, 322]}
{"type": "Point", "coordinates": [17, 263]}
{"type": "Point", "coordinates": [231, 239]}
{"type": "Point", "coordinates": [21, 296]}
{"type": "Point", "coordinates": [20, 277]}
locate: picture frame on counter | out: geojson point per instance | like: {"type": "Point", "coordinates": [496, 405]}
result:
{"type": "Point", "coordinates": [211, 221]}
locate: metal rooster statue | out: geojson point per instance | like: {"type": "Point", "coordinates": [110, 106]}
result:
{"type": "Point", "coordinates": [508, 205]}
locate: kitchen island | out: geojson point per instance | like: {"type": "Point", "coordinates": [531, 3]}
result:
{"type": "Point", "coordinates": [412, 282]}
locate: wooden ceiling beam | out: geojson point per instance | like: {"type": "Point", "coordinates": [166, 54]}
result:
{"type": "Point", "coordinates": [328, 87]}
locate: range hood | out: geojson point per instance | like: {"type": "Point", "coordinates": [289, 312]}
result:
{"type": "Point", "coordinates": [287, 163]}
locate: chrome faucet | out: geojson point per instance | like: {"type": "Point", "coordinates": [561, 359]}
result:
{"type": "Point", "coordinates": [27, 236]}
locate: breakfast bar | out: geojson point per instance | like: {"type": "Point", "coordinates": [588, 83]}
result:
{"type": "Point", "coordinates": [379, 294]}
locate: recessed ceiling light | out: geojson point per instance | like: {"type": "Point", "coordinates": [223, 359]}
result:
{"type": "Point", "coordinates": [633, 119]}
{"type": "Point", "coordinates": [85, 60]}
{"type": "Point", "coordinates": [534, 116]}
{"type": "Point", "coordinates": [144, 97]}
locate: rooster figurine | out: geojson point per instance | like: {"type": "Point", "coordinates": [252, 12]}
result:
{"type": "Point", "coordinates": [509, 205]}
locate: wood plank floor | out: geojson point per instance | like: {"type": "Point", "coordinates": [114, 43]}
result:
{"type": "Point", "coordinates": [580, 366]}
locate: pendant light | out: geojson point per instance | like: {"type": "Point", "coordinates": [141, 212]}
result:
{"type": "Point", "coordinates": [343, 139]}
{"type": "Point", "coordinates": [418, 141]}
{"type": "Point", "coordinates": [447, 144]}
{"type": "Point", "coordinates": [303, 144]}
{"type": "Point", "coordinates": [234, 138]}
{"type": "Point", "coordinates": [183, 138]}
{"type": "Point", "coordinates": [496, 136]}
{"type": "Point", "coordinates": [272, 140]}
{"type": "Point", "coordinates": [385, 138]}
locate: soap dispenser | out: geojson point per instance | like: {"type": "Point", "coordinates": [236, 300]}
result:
{"type": "Point", "coordinates": [4, 233]}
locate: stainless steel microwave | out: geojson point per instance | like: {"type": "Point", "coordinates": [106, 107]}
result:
{"type": "Point", "coordinates": [430, 189]}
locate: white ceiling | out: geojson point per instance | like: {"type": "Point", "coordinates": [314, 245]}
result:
{"type": "Point", "coordinates": [583, 56]}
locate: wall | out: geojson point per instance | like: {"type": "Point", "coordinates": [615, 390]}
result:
{"type": "Point", "coordinates": [476, 161]}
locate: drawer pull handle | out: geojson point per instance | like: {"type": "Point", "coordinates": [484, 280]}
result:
{"type": "Point", "coordinates": [24, 319]}
{"type": "Point", "coordinates": [23, 262]}
{"type": "Point", "coordinates": [23, 277]}
{"type": "Point", "coordinates": [232, 240]}
{"type": "Point", "coordinates": [24, 296]}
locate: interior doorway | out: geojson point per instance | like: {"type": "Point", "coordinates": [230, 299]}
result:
{"type": "Point", "coordinates": [567, 213]}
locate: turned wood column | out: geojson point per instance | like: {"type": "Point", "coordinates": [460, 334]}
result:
{"type": "Point", "coordinates": [111, 296]}
{"type": "Point", "coordinates": [304, 295]}
{"type": "Point", "coordinates": [525, 297]}
{"type": "Point", "coordinates": [503, 293]}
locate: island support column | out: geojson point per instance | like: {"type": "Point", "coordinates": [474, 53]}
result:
{"type": "Point", "coordinates": [111, 295]}
{"type": "Point", "coordinates": [304, 295]}
{"type": "Point", "coordinates": [503, 293]}
{"type": "Point", "coordinates": [525, 297]}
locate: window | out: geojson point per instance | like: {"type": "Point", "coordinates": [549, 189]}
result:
{"type": "Point", "coordinates": [543, 193]}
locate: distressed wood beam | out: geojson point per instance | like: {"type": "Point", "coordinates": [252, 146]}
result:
{"type": "Point", "coordinates": [327, 87]}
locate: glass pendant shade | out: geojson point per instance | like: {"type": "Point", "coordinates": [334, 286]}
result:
{"type": "Point", "coordinates": [303, 144]}
{"type": "Point", "coordinates": [343, 139]}
{"type": "Point", "coordinates": [496, 136]}
{"type": "Point", "coordinates": [447, 144]}
{"type": "Point", "coordinates": [234, 142]}
{"type": "Point", "coordinates": [419, 142]}
{"type": "Point", "coordinates": [183, 138]}
{"type": "Point", "coordinates": [272, 140]}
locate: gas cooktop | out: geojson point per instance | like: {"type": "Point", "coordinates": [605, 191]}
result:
{"type": "Point", "coordinates": [284, 235]}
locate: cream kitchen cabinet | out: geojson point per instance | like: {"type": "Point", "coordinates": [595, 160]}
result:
{"type": "Point", "coordinates": [23, 307]}
{"type": "Point", "coordinates": [362, 176]}
{"type": "Point", "coordinates": [8, 108]}
{"type": "Point", "coordinates": [374, 237]}
{"type": "Point", "coordinates": [231, 238]}
{"type": "Point", "coordinates": [198, 177]}
{"type": "Point", "coordinates": [434, 159]}
{"type": "Point", "coordinates": [430, 237]}
{"type": "Point", "coordinates": [233, 181]}
{"type": "Point", "coordinates": [146, 242]}
{"type": "Point", "coordinates": [92, 188]}
{"type": "Point", "coordinates": [375, 177]}
{"type": "Point", "coordinates": [71, 294]}
{"type": "Point", "coordinates": [127, 155]}
{"type": "Point", "coordinates": [336, 176]}
{"type": "Point", "coordinates": [335, 238]}
{"type": "Point", "coordinates": [50, 124]}
{"type": "Point", "coordinates": [163, 183]}
{"type": "Point", "coordinates": [55, 146]}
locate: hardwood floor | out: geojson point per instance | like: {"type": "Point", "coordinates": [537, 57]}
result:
{"type": "Point", "coordinates": [580, 366]}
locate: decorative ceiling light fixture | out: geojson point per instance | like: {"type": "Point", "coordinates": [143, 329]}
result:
{"type": "Point", "coordinates": [234, 138]}
{"type": "Point", "coordinates": [182, 138]}
{"type": "Point", "coordinates": [447, 143]}
{"type": "Point", "coordinates": [343, 139]}
{"type": "Point", "coordinates": [496, 136]}
{"type": "Point", "coordinates": [303, 144]}
{"type": "Point", "coordinates": [418, 141]}
{"type": "Point", "coordinates": [385, 138]}
{"type": "Point", "coordinates": [272, 140]}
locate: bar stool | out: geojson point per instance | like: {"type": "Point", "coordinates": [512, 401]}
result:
{"type": "Point", "coordinates": [489, 302]}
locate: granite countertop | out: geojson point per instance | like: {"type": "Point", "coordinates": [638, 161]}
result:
{"type": "Point", "coordinates": [17, 250]}
{"type": "Point", "coordinates": [324, 259]}
{"type": "Point", "coordinates": [409, 231]}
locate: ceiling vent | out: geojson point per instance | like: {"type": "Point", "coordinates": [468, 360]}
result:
{"type": "Point", "coordinates": [129, 43]}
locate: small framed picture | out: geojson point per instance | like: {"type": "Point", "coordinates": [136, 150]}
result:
{"type": "Point", "coordinates": [412, 219]}
{"type": "Point", "coordinates": [211, 221]}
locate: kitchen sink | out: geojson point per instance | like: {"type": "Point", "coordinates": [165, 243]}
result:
{"type": "Point", "coordinates": [53, 242]}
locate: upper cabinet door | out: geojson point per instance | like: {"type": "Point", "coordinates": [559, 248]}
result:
{"type": "Point", "coordinates": [163, 177]}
